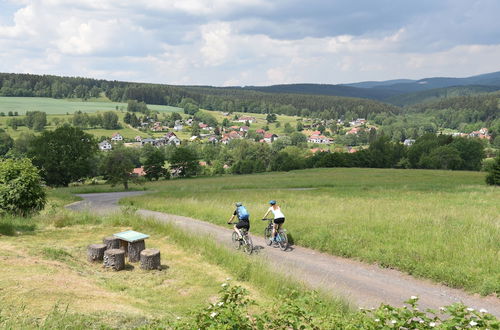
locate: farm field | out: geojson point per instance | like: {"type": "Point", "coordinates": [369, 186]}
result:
{"type": "Point", "coordinates": [63, 106]}
{"type": "Point", "coordinates": [441, 225]}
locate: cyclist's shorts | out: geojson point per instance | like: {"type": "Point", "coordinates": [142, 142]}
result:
{"type": "Point", "coordinates": [243, 224]}
{"type": "Point", "coordinates": [279, 221]}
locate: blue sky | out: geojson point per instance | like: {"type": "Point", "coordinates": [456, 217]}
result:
{"type": "Point", "coordinates": [250, 42]}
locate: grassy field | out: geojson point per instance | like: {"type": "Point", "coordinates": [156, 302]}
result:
{"type": "Point", "coordinates": [47, 282]}
{"type": "Point", "coordinates": [63, 106]}
{"type": "Point", "coordinates": [442, 225]}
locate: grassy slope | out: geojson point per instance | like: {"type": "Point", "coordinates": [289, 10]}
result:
{"type": "Point", "coordinates": [47, 282]}
{"type": "Point", "coordinates": [436, 224]}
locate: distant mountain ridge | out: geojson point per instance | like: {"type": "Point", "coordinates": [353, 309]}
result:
{"type": "Point", "coordinates": [399, 92]}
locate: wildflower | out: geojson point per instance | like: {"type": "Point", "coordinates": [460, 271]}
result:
{"type": "Point", "coordinates": [393, 321]}
{"type": "Point", "coordinates": [220, 303]}
{"type": "Point", "coordinates": [377, 320]}
{"type": "Point", "coordinates": [470, 309]}
{"type": "Point", "coordinates": [413, 297]}
{"type": "Point", "coordinates": [213, 314]}
{"type": "Point", "coordinates": [472, 323]}
{"type": "Point", "coordinates": [178, 317]}
{"type": "Point", "coordinates": [432, 324]}
{"type": "Point", "coordinates": [223, 285]}
{"type": "Point", "coordinates": [442, 309]}
{"type": "Point", "coordinates": [421, 321]}
{"type": "Point", "coordinates": [482, 310]}
{"type": "Point", "coordinates": [228, 279]}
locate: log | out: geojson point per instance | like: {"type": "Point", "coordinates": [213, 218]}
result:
{"type": "Point", "coordinates": [95, 252]}
{"type": "Point", "coordinates": [114, 259]}
{"type": "Point", "coordinates": [134, 250]}
{"type": "Point", "coordinates": [111, 242]}
{"type": "Point", "coordinates": [150, 259]}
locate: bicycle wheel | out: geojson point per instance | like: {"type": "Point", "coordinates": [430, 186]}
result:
{"type": "Point", "coordinates": [267, 235]}
{"type": "Point", "coordinates": [248, 245]}
{"type": "Point", "coordinates": [236, 241]}
{"type": "Point", "coordinates": [283, 241]}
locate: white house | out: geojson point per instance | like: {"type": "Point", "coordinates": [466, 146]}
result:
{"type": "Point", "coordinates": [105, 145]}
{"type": "Point", "coordinates": [178, 127]}
{"type": "Point", "coordinates": [116, 137]}
{"type": "Point", "coordinates": [270, 137]}
{"type": "Point", "coordinates": [408, 142]}
{"type": "Point", "coordinates": [174, 140]}
{"type": "Point", "coordinates": [244, 119]}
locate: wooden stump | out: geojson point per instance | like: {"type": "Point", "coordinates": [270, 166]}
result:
{"type": "Point", "coordinates": [134, 250]}
{"type": "Point", "coordinates": [150, 259]}
{"type": "Point", "coordinates": [115, 259]}
{"type": "Point", "coordinates": [111, 242]}
{"type": "Point", "coordinates": [95, 252]}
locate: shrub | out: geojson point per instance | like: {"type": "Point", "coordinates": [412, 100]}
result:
{"type": "Point", "coordinates": [493, 177]}
{"type": "Point", "coordinates": [21, 191]}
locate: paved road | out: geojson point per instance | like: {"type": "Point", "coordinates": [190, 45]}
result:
{"type": "Point", "coordinates": [362, 284]}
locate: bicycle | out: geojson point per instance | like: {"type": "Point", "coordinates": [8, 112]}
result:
{"type": "Point", "coordinates": [281, 238]}
{"type": "Point", "coordinates": [245, 241]}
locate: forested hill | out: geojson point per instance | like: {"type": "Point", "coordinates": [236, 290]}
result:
{"type": "Point", "coordinates": [451, 112]}
{"type": "Point", "coordinates": [216, 98]}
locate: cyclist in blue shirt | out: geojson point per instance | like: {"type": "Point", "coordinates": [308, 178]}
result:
{"type": "Point", "coordinates": [243, 217]}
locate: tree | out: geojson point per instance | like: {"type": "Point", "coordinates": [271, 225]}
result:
{"type": "Point", "coordinates": [153, 166]}
{"type": "Point", "coordinates": [117, 166]}
{"type": "Point", "coordinates": [493, 177]}
{"type": "Point", "coordinates": [299, 127]}
{"type": "Point", "coordinates": [110, 120]}
{"type": "Point", "coordinates": [6, 142]}
{"type": "Point", "coordinates": [63, 155]}
{"type": "Point", "coordinates": [21, 191]}
{"type": "Point", "coordinates": [36, 120]}
{"type": "Point", "coordinates": [271, 118]}
{"type": "Point", "coordinates": [298, 139]}
{"type": "Point", "coordinates": [184, 161]}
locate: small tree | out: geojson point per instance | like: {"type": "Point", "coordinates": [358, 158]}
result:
{"type": "Point", "coordinates": [184, 161]}
{"type": "Point", "coordinates": [21, 191]}
{"type": "Point", "coordinates": [493, 177]}
{"type": "Point", "coordinates": [117, 166]}
{"type": "Point", "coordinates": [153, 166]}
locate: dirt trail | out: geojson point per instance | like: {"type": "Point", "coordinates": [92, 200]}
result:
{"type": "Point", "coordinates": [363, 284]}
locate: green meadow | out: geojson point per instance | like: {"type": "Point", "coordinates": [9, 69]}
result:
{"type": "Point", "coordinates": [441, 225]}
{"type": "Point", "coordinates": [63, 106]}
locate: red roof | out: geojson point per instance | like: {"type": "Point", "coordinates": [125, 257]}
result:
{"type": "Point", "coordinates": [139, 171]}
{"type": "Point", "coordinates": [260, 131]}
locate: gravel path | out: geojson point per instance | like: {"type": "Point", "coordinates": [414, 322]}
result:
{"type": "Point", "coordinates": [363, 284]}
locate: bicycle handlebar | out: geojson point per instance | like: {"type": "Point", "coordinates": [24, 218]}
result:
{"type": "Point", "coordinates": [267, 219]}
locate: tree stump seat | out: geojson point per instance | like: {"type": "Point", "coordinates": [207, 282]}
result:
{"type": "Point", "coordinates": [95, 252]}
{"type": "Point", "coordinates": [134, 250]}
{"type": "Point", "coordinates": [150, 259]}
{"type": "Point", "coordinates": [111, 242]}
{"type": "Point", "coordinates": [114, 259]}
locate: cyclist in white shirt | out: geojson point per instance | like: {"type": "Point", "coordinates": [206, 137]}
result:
{"type": "Point", "coordinates": [279, 217]}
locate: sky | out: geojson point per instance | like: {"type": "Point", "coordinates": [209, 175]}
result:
{"type": "Point", "coordinates": [250, 42]}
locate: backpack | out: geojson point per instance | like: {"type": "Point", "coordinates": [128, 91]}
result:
{"type": "Point", "coordinates": [242, 213]}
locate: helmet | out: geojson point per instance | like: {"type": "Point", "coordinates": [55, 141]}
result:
{"type": "Point", "coordinates": [272, 202]}
{"type": "Point", "coordinates": [238, 204]}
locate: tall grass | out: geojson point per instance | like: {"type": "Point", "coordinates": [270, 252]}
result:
{"type": "Point", "coordinates": [441, 225]}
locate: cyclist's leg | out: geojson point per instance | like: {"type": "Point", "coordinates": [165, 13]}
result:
{"type": "Point", "coordinates": [237, 231]}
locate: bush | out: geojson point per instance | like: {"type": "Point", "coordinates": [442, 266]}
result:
{"type": "Point", "coordinates": [21, 191]}
{"type": "Point", "coordinates": [493, 177]}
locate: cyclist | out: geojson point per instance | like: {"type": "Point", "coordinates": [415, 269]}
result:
{"type": "Point", "coordinates": [279, 217]}
{"type": "Point", "coordinates": [243, 217]}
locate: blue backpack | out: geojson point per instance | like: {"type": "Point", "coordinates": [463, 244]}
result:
{"type": "Point", "coordinates": [242, 213]}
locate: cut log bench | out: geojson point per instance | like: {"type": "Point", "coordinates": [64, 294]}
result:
{"type": "Point", "coordinates": [111, 242]}
{"type": "Point", "coordinates": [114, 259]}
{"type": "Point", "coordinates": [132, 243]}
{"type": "Point", "coordinates": [95, 252]}
{"type": "Point", "coordinates": [150, 259]}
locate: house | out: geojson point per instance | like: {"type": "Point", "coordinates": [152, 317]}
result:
{"type": "Point", "coordinates": [116, 137]}
{"type": "Point", "coordinates": [202, 163]}
{"type": "Point", "coordinates": [225, 140]}
{"type": "Point", "coordinates": [354, 130]}
{"type": "Point", "coordinates": [315, 150]}
{"type": "Point", "coordinates": [174, 140]}
{"type": "Point", "coordinates": [244, 129]}
{"type": "Point", "coordinates": [138, 138]}
{"type": "Point", "coordinates": [138, 171]}
{"type": "Point", "coordinates": [482, 134]}
{"type": "Point", "coordinates": [408, 142]}
{"type": "Point", "coordinates": [244, 119]}
{"type": "Point", "coordinates": [234, 128]}
{"type": "Point", "coordinates": [261, 131]}
{"type": "Point", "coordinates": [234, 135]}
{"type": "Point", "coordinates": [321, 139]}
{"type": "Point", "coordinates": [213, 139]}
{"type": "Point", "coordinates": [203, 126]}
{"type": "Point", "coordinates": [105, 145]}
{"type": "Point", "coordinates": [194, 138]}
{"type": "Point", "coordinates": [270, 137]}
{"type": "Point", "coordinates": [148, 141]}
{"type": "Point", "coordinates": [178, 127]}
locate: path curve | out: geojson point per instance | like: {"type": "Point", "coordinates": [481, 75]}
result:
{"type": "Point", "coordinates": [365, 285]}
